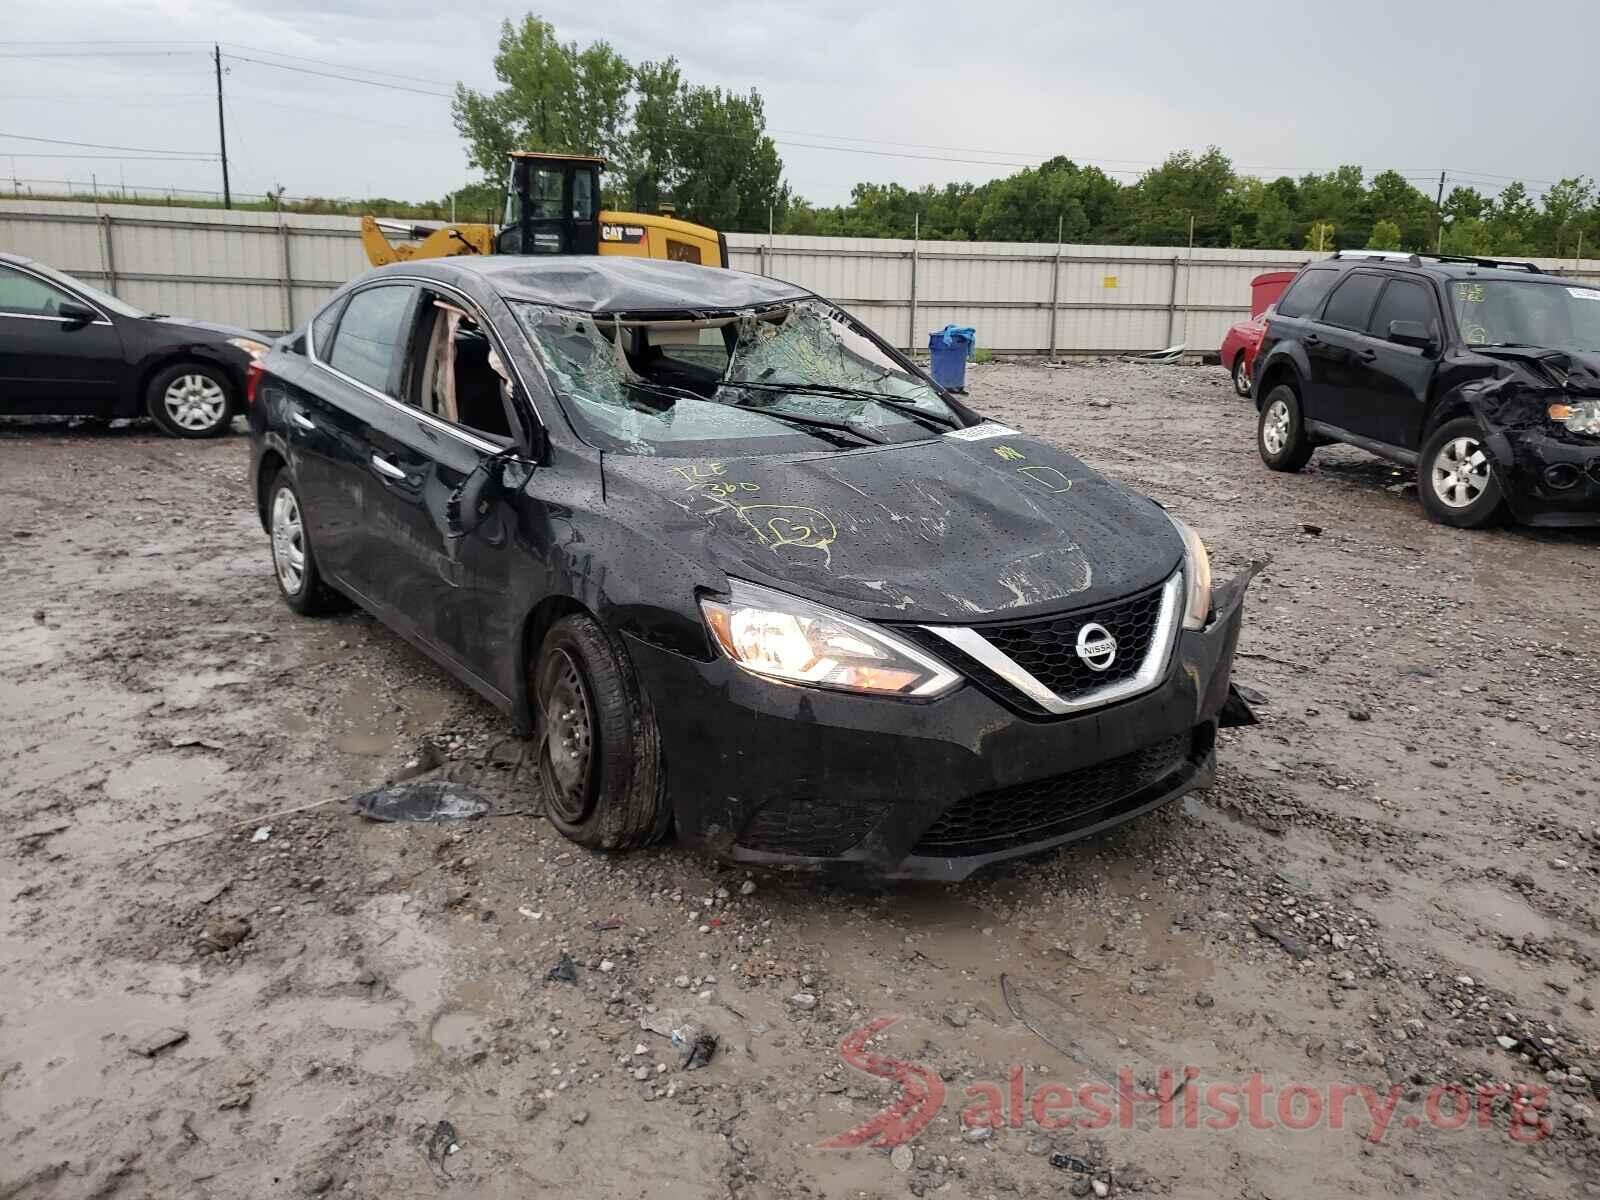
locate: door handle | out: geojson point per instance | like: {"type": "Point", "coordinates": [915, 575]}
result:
{"type": "Point", "coordinates": [384, 467]}
{"type": "Point", "coordinates": [301, 421]}
{"type": "Point", "coordinates": [1311, 339]}
{"type": "Point", "coordinates": [1366, 355]}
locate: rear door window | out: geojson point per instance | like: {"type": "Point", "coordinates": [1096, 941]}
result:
{"type": "Point", "coordinates": [1305, 294]}
{"type": "Point", "coordinates": [1402, 300]}
{"type": "Point", "coordinates": [1351, 302]}
{"type": "Point", "coordinates": [323, 326]}
{"type": "Point", "coordinates": [462, 378]}
{"type": "Point", "coordinates": [368, 344]}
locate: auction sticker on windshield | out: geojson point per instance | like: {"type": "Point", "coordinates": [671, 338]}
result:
{"type": "Point", "coordinates": [1583, 294]}
{"type": "Point", "coordinates": [979, 433]}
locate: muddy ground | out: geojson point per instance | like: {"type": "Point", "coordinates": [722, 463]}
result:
{"type": "Point", "coordinates": [1415, 815]}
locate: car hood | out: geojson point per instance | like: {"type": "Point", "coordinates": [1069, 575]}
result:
{"type": "Point", "coordinates": [983, 523]}
{"type": "Point", "coordinates": [219, 332]}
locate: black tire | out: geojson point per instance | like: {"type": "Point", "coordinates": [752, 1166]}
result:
{"type": "Point", "coordinates": [1282, 425]}
{"type": "Point", "coordinates": [599, 749]}
{"type": "Point", "coordinates": [192, 400]}
{"type": "Point", "coordinates": [1456, 478]}
{"type": "Point", "coordinates": [309, 595]}
{"type": "Point", "coordinates": [1241, 374]}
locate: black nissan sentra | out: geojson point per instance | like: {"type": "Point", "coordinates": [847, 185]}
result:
{"type": "Point", "coordinates": [740, 568]}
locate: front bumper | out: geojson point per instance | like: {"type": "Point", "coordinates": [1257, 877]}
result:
{"type": "Point", "coordinates": [764, 773]}
{"type": "Point", "coordinates": [1554, 480]}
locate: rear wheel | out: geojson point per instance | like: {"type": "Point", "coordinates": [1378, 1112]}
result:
{"type": "Point", "coordinates": [293, 564]}
{"type": "Point", "coordinates": [1241, 374]}
{"type": "Point", "coordinates": [1281, 431]}
{"type": "Point", "coordinates": [599, 750]}
{"type": "Point", "coordinates": [191, 400]}
{"type": "Point", "coordinates": [1456, 479]}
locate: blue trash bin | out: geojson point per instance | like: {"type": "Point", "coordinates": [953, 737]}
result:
{"type": "Point", "coordinates": [948, 351]}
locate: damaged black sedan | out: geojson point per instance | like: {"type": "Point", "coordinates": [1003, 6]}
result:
{"type": "Point", "coordinates": [740, 567]}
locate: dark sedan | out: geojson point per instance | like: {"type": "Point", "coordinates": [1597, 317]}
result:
{"type": "Point", "coordinates": [68, 349]}
{"type": "Point", "coordinates": [740, 566]}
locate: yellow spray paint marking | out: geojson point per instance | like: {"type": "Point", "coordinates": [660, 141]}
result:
{"type": "Point", "coordinates": [1009, 453]}
{"type": "Point", "coordinates": [1050, 479]}
{"type": "Point", "coordinates": [1110, 281]}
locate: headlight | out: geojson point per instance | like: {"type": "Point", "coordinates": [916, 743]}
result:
{"type": "Point", "coordinates": [250, 346]}
{"type": "Point", "coordinates": [783, 637]}
{"type": "Point", "coordinates": [1582, 417]}
{"type": "Point", "coordinates": [1197, 574]}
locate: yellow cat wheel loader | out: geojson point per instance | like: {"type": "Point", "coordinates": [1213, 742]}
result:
{"type": "Point", "coordinates": [552, 207]}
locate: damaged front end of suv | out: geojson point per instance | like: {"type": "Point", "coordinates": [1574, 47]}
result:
{"type": "Point", "coordinates": [1541, 419]}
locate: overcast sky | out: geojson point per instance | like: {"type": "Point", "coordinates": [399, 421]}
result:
{"type": "Point", "coordinates": [1282, 88]}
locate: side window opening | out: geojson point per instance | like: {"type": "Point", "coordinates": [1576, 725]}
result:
{"type": "Point", "coordinates": [1306, 293]}
{"type": "Point", "coordinates": [371, 334]}
{"type": "Point", "coordinates": [461, 377]}
{"type": "Point", "coordinates": [323, 328]}
{"type": "Point", "coordinates": [1403, 300]}
{"type": "Point", "coordinates": [1351, 303]}
{"type": "Point", "coordinates": [26, 296]}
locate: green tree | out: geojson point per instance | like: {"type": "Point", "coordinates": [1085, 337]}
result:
{"type": "Point", "coordinates": [1565, 206]}
{"type": "Point", "coordinates": [555, 97]}
{"type": "Point", "coordinates": [1385, 236]}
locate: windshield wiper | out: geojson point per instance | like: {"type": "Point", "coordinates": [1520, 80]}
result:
{"type": "Point", "coordinates": [816, 422]}
{"type": "Point", "coordinates": [909, 407]}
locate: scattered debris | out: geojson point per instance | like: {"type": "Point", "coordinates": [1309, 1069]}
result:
{"type": "Point", "coordinates": [424, 760]}
{"type": "Point", "coordinates": [223, 933]}
{"type": "Point", "coordinates": [440, 1144]}
{"type": "Point", "coordinates": [162, 1039]}
{"type": "Point", "coordinates": [179, 743]}
{"type": "Point", "coordinates": [1068, 1162]}
{"type": "Point", "coordinates": [1313, 530]}
{"type": "Point", "coordinates": [608, 924]}
{"type": "Point", "coordinates": [901, 1157]}
{"type": "Point", "coordinates": [580, 1116]}
{"type": "Point", "coordinates": [565, 971]}
{"type": "Point", "coordinates": [804, 1001]}
{"type": "Point", "coordinates": [1275, 934]}
{"type": "Point", "coordinates": [696, 1044]}
{"type": "Point", "coordinates": [420, 803]}
{"type": "Point", "coordinates": [262, 834]}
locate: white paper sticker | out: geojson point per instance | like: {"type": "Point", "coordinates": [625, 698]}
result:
{"type": "Point", "coordinates": [980, 433]}
{"type": "Point", "coordinates": [1583, 294]}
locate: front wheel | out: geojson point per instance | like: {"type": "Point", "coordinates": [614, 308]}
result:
{"type": "Point", "coordinates": [1281, 432]}
{"type": "Point", "coordinates": [599, 750]}
{"type": "Point", "coordinates": [1456, 478]}
{"type": "Point", "coordinates": [191, 400]}
{"type": "Point", "coordinates": [1241, 374]}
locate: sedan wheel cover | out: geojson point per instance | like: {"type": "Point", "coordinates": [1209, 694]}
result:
{"type": "Point", "coordinates": [1241, 375]}
{"type": "Point", "coordinates": [568, 755]}
{"type": "Point", "coordinates": [1275, 429]}
{"type": "Point", "coordinates": [288, 542]}
{"type": "Point", "coordinates": [1460, 472]}
{"type": "Point", "coordinates": [195, 402]}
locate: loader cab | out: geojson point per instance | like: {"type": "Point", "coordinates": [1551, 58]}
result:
{"type": "Point", "coordinates": [552, 205]}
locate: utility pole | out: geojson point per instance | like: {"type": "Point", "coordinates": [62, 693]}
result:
{"type": "Point", "coordinates": [1438, 212]}
{"type": "Point", "coordinates": [222, 129]}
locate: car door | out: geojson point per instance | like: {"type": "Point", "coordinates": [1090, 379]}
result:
{"type": "Point", "coordinates": [459, 424]}
{"type": "Point", "coordinates": [1398, 376]}
{"type": "Point", "coordinates": [51, 364]}
{"type": "Point", "coordinates": [1337, 349]}
{"type": "Point", "coordinates": [354, 377]}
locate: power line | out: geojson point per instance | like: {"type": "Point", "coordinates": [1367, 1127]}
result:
{"type": "Point", "coordinates": [322, 62]}
{"type": "Point", "coordinates": [99, 54]}
{"type": "Point", "coordinates": [24, 137]}
{"type": "Point", "coordinates": [394, 87]}
{"type": "Point", "coordinates": [119, 157]}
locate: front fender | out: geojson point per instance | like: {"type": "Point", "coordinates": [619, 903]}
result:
{"type": "Point", "coordinates": [1283, 361]}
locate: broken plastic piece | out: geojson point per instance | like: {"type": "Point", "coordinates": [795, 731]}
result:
{"type": "Point", "coordinates": [565, 971]}
{"type": "Point", "coordinates": [1067, 1162]}
{"type": "Point", "coordinates": [426, 803]}
{"type": "Point", "coordinates": [695, 1045]}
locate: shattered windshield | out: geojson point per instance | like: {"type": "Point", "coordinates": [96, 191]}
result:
{"type": "Point", "coordinates": [1504, 312]}
{"type": "Point", "coordinates": [792, 377]}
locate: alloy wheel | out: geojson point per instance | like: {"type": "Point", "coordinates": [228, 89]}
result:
{"type": "Point", "coordinates": [1460, 472]}
{"type": "Point", "coordinates": [569, 736]}
{"type": "Point", "coordinates": [1241, 376]}
{"type": "Point", "coordinates": [195, 402]}
{"type": "Point", "coordinates": [1275, 428]}
{"type": "Point", "coordinates": [288, 541]}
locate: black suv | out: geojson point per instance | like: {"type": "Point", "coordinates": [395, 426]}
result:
{"type": "Point", "coordinates": [1484, 375]}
